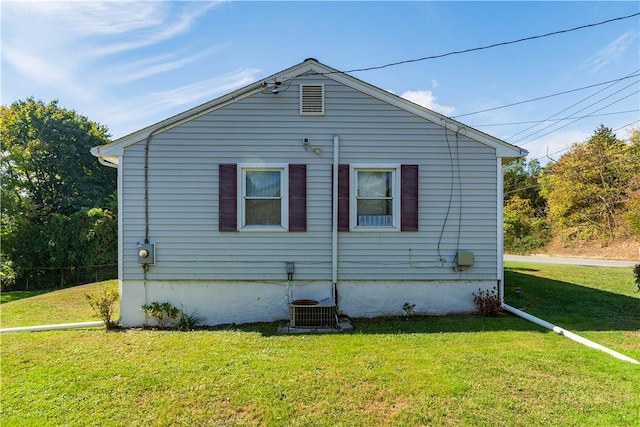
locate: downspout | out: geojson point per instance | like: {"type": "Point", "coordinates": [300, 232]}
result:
{"type": "Point", "coordinates": [568, 334]}
{"type": "Point", "coordinates": [54, 327]}
{"type": "Point", "coordinates": [500, 228]}
{"type": "Point", "coordinates": [334, 222]}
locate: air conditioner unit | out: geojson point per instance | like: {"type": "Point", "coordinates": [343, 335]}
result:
{"type": "Point", "coordinates": [311, 314]}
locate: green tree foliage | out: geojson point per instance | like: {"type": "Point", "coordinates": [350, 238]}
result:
{"type": "Point", "coordinates": [55, 195]}
{"type": "Point", "coordinates": [521, 180]}
{"type": "Point", "coordinates": [524, 231]}
{"type": "Point", "coordinates": [525, 224]}
{"type": "Point", "coordinates": [46, 164]}
{"type": "Point", "coordinates": [590, 189]}
{"type": "Point", "coordinates": [632, 214]}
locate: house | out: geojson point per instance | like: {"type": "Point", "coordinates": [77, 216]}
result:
{"type": "Point", "coordinates": [307, 185]}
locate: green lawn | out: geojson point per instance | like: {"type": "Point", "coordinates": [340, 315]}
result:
{"type": "Point", "coordinates": [443, 371]}
{"type": "Point", "coordinates": [50, 307]}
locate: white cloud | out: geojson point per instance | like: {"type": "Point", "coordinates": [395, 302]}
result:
{"type": "Point", "coordinates": [612, 51]}
{"type": "Point", "coordinates": [81, 53]}
{"type": "Point", "coordinates": [156, 106]}
{"type": "Point", "coordinates": [70, 36]}
{"type": "Point", "coordinates": [146, 67]}
{"type": "Point", "coordinates": [427, 99]}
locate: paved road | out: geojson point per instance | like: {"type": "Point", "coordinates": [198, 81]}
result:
{"type": "Point", "coordinates": [574, 261]}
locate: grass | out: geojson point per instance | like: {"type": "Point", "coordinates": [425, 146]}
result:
{"type": "Point", "coordinates": [445, 371]}
{"type": "Point", "coordinates": [29, 308]}
{"type": "Point", "coordinates": [17, 295]}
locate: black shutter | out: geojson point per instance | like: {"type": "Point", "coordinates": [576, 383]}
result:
{"type": "Point", "coordinates": [409, 198]}
{"type": "Point", "coordinates": [343, 197]}
{"type": "Point", "coordinates": [297, 197]}
{"type": "Point", "coordinates": [228, 198]}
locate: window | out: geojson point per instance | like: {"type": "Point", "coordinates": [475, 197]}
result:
{"type": "Point", "coordinates": [377, 197]}
{"type": "Point", "coordinates": [264, 197]}
{"type": "Point", "coordinates": [376, 201]}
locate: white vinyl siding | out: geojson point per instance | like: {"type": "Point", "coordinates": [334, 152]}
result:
{"type": "Point", "coordinates": [457, 208]}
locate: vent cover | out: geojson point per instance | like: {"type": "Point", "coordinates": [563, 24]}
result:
{"type": "Point", "coordinates": [312, 100]}
{"type": "Point", "coordinates": [312, 316]}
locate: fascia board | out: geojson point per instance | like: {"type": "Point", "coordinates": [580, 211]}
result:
{"type": "Point", "coordinates": [116, 148]}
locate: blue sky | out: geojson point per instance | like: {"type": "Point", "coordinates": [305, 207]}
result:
{"type": "Point", "coordinates": [131, 64]}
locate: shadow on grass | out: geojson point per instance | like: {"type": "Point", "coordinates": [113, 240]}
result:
{"type": "Point", "coordinates": [6, 297]}
{"type": "Point", "coordinates": [574, 307]}
{"type": "Point", "coordinates": [415, 325]}
{"type": "Point", "coordinates": [571, 306]}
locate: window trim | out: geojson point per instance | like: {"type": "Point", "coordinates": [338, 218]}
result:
{"type": "Point", "coordinates": [396, 196]}
{"type": "Point", "coordinates": [283, 168]}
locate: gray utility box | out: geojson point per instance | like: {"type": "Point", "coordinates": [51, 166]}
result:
{"type": "Point", "coordinates": [464, 259]}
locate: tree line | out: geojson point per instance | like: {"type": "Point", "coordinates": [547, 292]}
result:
{"type": "Point", "coordinates": [591, 193]}
{"type": "Point", "coordinates": [59, 205]}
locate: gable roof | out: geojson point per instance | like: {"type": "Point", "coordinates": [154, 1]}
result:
{"type": "Point", "coordinates": [108, 154]}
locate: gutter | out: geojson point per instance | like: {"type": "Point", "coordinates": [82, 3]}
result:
{"type": "Point", "coordinates": [568, 334]}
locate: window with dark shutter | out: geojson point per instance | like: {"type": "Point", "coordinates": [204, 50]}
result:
{"type": "Point", "coordinates": [297, 198]}
{"type": "Point", "coordinates": [228, 193]}
{"type": "Point", "coordinates": [409, 198]}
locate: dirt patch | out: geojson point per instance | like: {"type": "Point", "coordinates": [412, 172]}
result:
{"type": "Point", "coordinates": [622, 250]}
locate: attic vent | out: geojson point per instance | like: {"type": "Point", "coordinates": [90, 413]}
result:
{"type": "Point", "coordinates": [312, 100]}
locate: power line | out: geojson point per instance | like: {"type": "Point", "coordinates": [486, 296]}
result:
{"type": "Point", "coordinates": [627, 125]}
{"type": "Point", "coordinates": [574, 121]}
{"type": "Point", "coordinates": [458, 52]}
{"type": "Point", "coordinates": [571, 106]}
{"type": "Point", "coordinates": [547, 96]}
{"type": "Point", "coordinates": [555, 120]}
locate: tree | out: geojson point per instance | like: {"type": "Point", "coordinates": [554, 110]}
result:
{"type": "Point", "coordinates": [632, 215]}
{"type": "Point", "coordinates": [46, 164]}
{"type": "Point", "coordinates": [524, 231]}
{"type": "Point", "coordinates": [521, 180]}
{"type": "Point", "coordinates": [50, 186]}
{"type": "Point", "coordinates": [525, 224]}
{"type": "Point", "coordinates": [589, 188]}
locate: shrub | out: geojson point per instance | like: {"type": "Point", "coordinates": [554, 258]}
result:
{"type": "Point", "coordinates": [164, 313]}
{"type": "Point", "coordinates": [188, 322]}
{"type": "Point", "coordinates": [103, 304]}
{"type": "Point", "coordinates": [488, 301]}
{"type": "Point", "coordinates": [636, 272]}
{"type": "Point", "coordinates": [409, 309]}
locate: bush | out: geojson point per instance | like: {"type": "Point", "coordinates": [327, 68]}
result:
{"type": "Point", "coordinates": [103, 304]}
{"type": "Point", "coordinates": [188, 322]}
{"type": "Point", "coordinates": [488, 301]}
{"type": "Point", "coordinates": [164, 313]}
{"type": "Point", "coordinates": [636, 273]}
